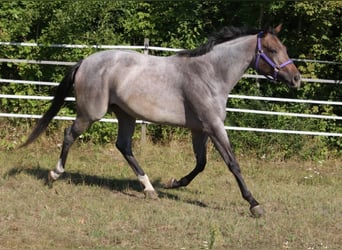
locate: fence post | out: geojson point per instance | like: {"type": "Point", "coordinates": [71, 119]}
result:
{"type": "Point", "coordinates": [143, 124]}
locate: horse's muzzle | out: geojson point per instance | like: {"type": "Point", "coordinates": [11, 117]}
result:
{"type": "Point", "coordinates": [295, 81]}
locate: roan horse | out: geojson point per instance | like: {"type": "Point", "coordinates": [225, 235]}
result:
{"type": "Point", "coordinates": [189, 89]}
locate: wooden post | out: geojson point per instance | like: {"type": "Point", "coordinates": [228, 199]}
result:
{"type": "Point", "coordinates": [143, 125]}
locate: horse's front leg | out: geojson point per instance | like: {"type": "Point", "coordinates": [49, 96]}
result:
{"type": "Point", "coordinates": [199, 143]}
{"type": "Point", "coordinates": [220, 139]}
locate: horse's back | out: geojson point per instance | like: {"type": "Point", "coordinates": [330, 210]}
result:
{"type": "Point", "coordinates": [144, 86]}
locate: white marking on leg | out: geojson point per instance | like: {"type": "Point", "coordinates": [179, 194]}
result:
{"type": "Point", "coordinates": [146, 182]}
{"type": "Point", "coordinates": [57, 171]}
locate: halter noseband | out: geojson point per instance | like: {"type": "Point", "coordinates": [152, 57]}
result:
{"type": "Point", "coordinates": [260, 54]}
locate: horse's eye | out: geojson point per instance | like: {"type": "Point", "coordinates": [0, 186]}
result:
{"type": "Point", "coordinates": [272, 51]}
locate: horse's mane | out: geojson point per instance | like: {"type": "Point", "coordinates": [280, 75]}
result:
{"type": "Point", "coordinates": [224, 35]}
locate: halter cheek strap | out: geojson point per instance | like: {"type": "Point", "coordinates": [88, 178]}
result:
{"type": "Point", "coordinates": [261, 54]}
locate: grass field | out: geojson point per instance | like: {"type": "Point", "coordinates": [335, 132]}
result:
{"type": "Point", "coordinates": [98, 204]}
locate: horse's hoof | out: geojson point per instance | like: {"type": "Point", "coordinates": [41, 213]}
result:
{"type": "Point", "coordinates": [171, 183]}
{"type": "Point", "coordinates": [151, 195]}
{"type": "Point", "coordinates": [257, 211]}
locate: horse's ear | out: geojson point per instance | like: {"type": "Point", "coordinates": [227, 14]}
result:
{"type": "Point", "coordinates": [268, 29]}
{"type": "Point", "coordinates": [278, 28]}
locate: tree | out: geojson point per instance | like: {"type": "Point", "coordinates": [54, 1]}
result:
{"type": "Point", "coordinates": [311, 30]}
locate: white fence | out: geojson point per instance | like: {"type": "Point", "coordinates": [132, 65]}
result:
{"type": "Point", "coordinates": [146, 48]}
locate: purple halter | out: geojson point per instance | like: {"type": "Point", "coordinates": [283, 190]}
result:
{"type": "Point", "coordinates": [261, 54]}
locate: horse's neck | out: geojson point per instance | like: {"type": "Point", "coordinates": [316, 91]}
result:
{"type": "Point", "coordinates": [232, 59]}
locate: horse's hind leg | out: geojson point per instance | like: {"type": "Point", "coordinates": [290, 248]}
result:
{"type": "Point", "coordinates": [199, 143]}
{"type": "Point", "coordinates": [70, 135]}
{"type": "Point", "coordinates": [124, 144]}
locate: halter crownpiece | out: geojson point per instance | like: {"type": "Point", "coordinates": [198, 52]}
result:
{"type": "Point", "coordinates": [260, 54]}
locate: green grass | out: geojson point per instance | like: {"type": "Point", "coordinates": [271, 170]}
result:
{"type": "Point", "coordinates": [98, 202]}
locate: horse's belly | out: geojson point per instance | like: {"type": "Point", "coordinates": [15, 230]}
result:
{"type": "Point", "coordinates": [156, 110]}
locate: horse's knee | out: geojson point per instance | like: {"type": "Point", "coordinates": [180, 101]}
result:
{"type": "Point", "coordinates": [123, 147]}
{"type": "Point", "coordinates": [69, 137]}
{"type": "Point", "coordinates": [234, 167]}
{"type": "Point", "coordinates": [67, 131]}
{"type": "Point", "coordinates": [120, 147]}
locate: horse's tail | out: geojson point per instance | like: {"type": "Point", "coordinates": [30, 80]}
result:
{"type": "Point", "coordinates": [62, 91]}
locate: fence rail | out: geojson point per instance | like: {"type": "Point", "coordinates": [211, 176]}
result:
{"type": "Point", "coordinates": [251, 111]}
{"type": "Point", "coordinates": [265, 130]}
{"type": "Point", "coordinates": [146, 48]}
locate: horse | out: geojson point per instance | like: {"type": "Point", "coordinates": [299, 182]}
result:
{"type": "Point", "coordinates": [188, 89]}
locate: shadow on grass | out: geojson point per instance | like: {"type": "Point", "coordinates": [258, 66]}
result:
{"type": "Point", "coordinates": [120, 185]}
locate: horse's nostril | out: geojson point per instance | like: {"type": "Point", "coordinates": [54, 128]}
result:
{"type": "Point", "coordinates": [296, 78]}
{"type": "Point", "coordinates": [296, 81]}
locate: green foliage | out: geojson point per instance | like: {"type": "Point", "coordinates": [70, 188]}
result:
{"type": "Point", "coordinates": [101, 132]}
{"type": "Point", "coordinates": [311, 30]}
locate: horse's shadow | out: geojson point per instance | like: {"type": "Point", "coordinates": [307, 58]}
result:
{"type": "Point", "coordinates": [114, 184]}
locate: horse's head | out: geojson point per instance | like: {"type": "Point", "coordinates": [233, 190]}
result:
{"type": "Point", "coordinates": [272, 59]}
